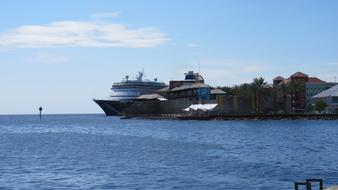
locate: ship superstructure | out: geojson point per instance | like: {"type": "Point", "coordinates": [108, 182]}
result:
{"type": "Point", "coordinates": [130, 89]}
{"type": "Point", "coordinates": [125, 92]}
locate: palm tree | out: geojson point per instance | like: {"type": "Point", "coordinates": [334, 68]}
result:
{"type": "Point", "coordinates": [281, 90]}
{"type": "Point", "coordinates": [284, 89]}
{"type": "Point", "coordinates": [258, 86]}
{"type": "Point", "coordinates": [295, 89]}
{"type": "Point", "coordinates": [238, 90]}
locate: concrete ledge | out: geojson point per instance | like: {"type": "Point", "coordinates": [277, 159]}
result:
{"type": "Point", "coordinates": [332, 188]}
{"type": "Point", "coordinates": [262, 117]}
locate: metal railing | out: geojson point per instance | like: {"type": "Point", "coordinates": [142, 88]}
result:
{"type": "Point", "coordinates": [308, 184]}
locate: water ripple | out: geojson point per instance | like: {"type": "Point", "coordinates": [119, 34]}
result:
{"type": "Point", "coordinates": [97, 152]}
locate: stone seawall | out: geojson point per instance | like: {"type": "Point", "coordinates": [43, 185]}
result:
{"type": "Point", "coordinates": [239, 116]}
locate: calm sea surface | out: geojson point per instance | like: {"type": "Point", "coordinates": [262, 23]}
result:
{"type": "Point", "coordinates": [98, 152]}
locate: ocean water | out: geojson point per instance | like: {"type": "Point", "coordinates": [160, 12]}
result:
{"type": "Point", "coordinates": [98, 152]}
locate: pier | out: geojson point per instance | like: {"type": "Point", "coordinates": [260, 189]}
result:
{"type": "Point", "coordinates": [309, 184]}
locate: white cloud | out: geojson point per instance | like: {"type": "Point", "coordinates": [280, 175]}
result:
{"type": "Point", "coordinates": [81, 34]}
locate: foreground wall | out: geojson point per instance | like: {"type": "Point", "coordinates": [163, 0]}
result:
{"type": "Point", "coordinates": [156, 107]}
{"type": "Point", "coordinates": [234, 104]}
{"type": "Point", "coordinates": [226, 105]}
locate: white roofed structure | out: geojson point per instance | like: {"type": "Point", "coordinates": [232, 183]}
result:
{"type": "Point", "coordinates": [330, 97]}
{"type": "Point", "coordinates": [333, 91]}
{"type": "Point", "coordinates": [151, 97]}
{"type": "Point", "coordinates": [203, 107]}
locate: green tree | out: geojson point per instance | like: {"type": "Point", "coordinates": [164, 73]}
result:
{"type": "Point", "coordinates": [320, 106]}
{"type": "Point", "coordinates": [295, 89]}
{"type": "Point", "coordinates": [282, 91]}
{"type": "Point", "coordinates": [258, 86]}
{"type": "Point", "coordinates": [238, 90]}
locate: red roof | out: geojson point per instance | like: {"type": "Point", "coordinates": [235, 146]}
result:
{"type": "Point", "coordinates": [299, 75]}
{"type": "Point", "coordinates": [278, 78]}
{"type": "Point", "coordinates": [315, 79]}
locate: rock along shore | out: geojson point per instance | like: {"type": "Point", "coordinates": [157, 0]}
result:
{"type": "Point", "coordinates": [239, 117]}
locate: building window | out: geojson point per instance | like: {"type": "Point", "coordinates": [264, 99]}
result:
{"type": "Point", "coordinates": [335, 99]}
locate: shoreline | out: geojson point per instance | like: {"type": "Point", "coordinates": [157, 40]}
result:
{"type": "Point", "coordinates": [226, 117]}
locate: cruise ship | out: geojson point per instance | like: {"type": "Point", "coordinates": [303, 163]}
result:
{"type": "Point", "coordinates": [125, 92]}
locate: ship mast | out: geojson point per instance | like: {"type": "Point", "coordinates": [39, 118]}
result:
{"type": "Point", "coordinates": [140, 76]}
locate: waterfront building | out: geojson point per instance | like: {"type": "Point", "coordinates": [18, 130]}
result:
{"type": "Point", "coordinates": [216, 92]}
{"type": "Point", "coordinates": [298, 91]}
{"type": "Point", "coordinates": [295, 89]}
{"type": "Point", "coordinates": [192, 88]}
{"type": "Point", "coordinates": [179, 95]}
{"type": "Point", "coordinates": [313, 88]}
{"type": "Point", "coordinates": [196, 91]}
{"type": "Point", "coordinates": [301, 87]}
{"type": "Point", "coordinates": [278, 80]}
{"type": "Point", "coordinates": [330, 97]}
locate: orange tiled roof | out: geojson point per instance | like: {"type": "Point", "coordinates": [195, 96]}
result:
{"type": "Point", "coordinates": [299, 74]}
{"type": "Point", "coordinates": [278, 78]}
{"type": "Point", "coordinates": [314, 79]}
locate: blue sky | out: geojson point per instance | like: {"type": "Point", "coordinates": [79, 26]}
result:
{"type": "Point", "coordinates": [62, 54]}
